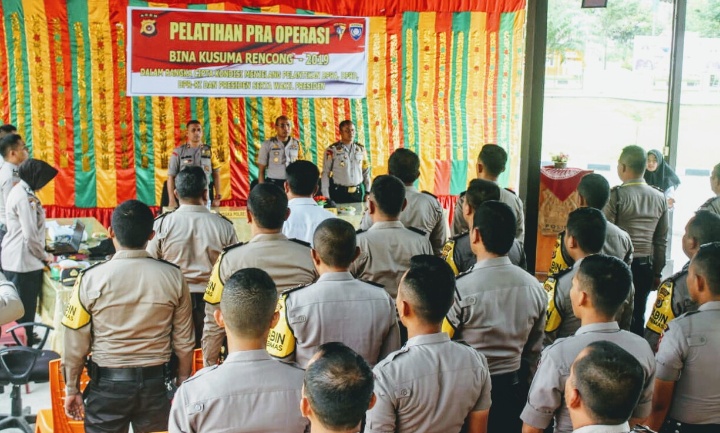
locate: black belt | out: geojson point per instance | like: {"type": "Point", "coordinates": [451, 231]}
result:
{"type": "Point", "coordinates": [505, 379]}
{"type": "Point", "coordinates": [647, 260]}
{"type": "Point", "coordinates": [132, 373]}
{"type": "Point", "coordinates": [681, 427]}
{"type": "Point", "coordinates": [350, 189]}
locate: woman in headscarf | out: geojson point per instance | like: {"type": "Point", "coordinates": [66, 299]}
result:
{"type": "Point", "coordinates": [660, 175]}
{"type": "Point", "coordinates": [23, 248]}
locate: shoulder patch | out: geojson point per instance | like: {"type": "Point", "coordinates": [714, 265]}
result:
{"type": "Point", "coordinates": [510, 191]}
{"type": "Point", "coordinates": [230, 247]}
{"type": "Point", "coordinates": [416, 230]}
{"type": "Point", "coordinates": [298, 287]}
{"type": "Point", "coordinates": [84, 271]}
{"type": "Point", "coordinates": [458, 236]}
{"type": "Point", "coordinates": [164, 214]}
{"type": "Point", "coordinates": [372, 283]}
{"type": "Point", "coordinates": [357, 232]}
{"type": "Point", "coordinates": [166, 262]}
{"type": "Point", "coordinates": [281, 340]}
{"type": "Point", "coordinates": [662, 312]}
{"type": "Point", "coordinates": [430, 194]}
{"type": "Point", "coordinates": [298, 241]}
{"type": "Point", "coordinates": [553, 318]}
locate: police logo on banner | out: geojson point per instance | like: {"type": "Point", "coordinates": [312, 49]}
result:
{"type": "Point", "coordinates": [356, 31]}
{"type": "Point", "coordinates": [147, 25]}
{"type": "Point", "coordinates": [340, 30]}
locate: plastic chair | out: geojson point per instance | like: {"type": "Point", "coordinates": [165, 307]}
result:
{"type": "Point", "coordinates": [54, 420]}
{"type": "Point", "coordinates": [197, 361]}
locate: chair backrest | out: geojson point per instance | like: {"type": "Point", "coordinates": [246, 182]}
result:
{"type": "Point", "coordinates": [61, 423]}
{"type": "Point", "coordinates": [197, 361]}
{"type": "Point", "coordinates": [17, 364]}
{"type": "Point", "coordinates": [6, 338]}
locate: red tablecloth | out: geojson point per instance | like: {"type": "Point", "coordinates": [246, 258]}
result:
{"type": "Point", "coordinates": [562, 181]}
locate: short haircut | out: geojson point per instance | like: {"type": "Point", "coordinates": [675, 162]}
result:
{"type": "Point", "coordinates": [716, 171]}
{"type": "Point", "coordinates": [193, 122]}
{"type": "Point", "coordinates": [588, 226]}
{"type": "Point", "coordinates": [389, 194]}
{"type": "Point", "coordinates": [707, 265]}
{"type": "Point", "coordinates": [335, 242]}
{"type": "Point", "coordinates": [595, 189]}
{"type": "Point", "coordinates": [268, 204]}
{"type": "Point", "coordinates": [132, 223]}
{"type": "Point", "coordinates": [429, 285]}
{"type": "Point", "coordinates": [704, 227]}
{"type": "Point", "coordinates": [494, 158]}
{"type": "Point", "coordinates": [8, 128]}
{"type": "Point", "coordinates": [338, 386]}
{"type": "Point", "coordinates": [302, 177]}
{"type": "Point", "coordinates": [191, 182]}
{"type": "Point", "coordinates": [405, 164]}
{"type": "Point", "coordinates": [635, 158]}
{"type": "Point", "coordinates": [610, 381]}
{"type": "Point", "coordinates": [248, 302]}
{"type": "Point", "coordinates": [607, 280]}
{"type": "Point", "coordinates": [497, 225]}
{"type": "Point", "coordinates": [479, 191]}
{"type": "Point", "coordinates": [279, 118]}
{"type": "Point", "coordinates": [8, 143]}
{"type": "Point", "coordinates": [345, 123]}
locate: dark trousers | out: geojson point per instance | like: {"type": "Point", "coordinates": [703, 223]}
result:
{"type": "Point", "coordinates": [198, 315]}
{"type": "Point", "coordinates": [110, 406]}
{"type": "Point", "coordinates": [673, 426]}
{"type": "Point", "coordinates": [642, 272]}
{"type": "Point", "coordinates": [339, 194]}
{"type": "Point", "coordinates": [28, 285]}
{"type": "Point", "coordinates": [508, 399]}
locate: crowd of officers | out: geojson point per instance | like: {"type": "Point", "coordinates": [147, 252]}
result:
{"type": "Point", "coordinates": [458, 335]}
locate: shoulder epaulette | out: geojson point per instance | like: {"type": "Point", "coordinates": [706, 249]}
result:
{"type": "Point", "coordinates": [373, 283]}
{"type": "Point", "coordinates": [430, 194]}
{"type": "Point", "coordinates": [358, 231]}
{"type": "Point", "coordinates": [462, 274]}
{"type": "Point", "coordinates": [560, 273]}
{"type": "Point", "coordinates": [656, 188]}
{"type": "Point", "coordinates": [224, 217]}
{"type": "Point", "coordinates": [230, 247]}
{"type": "Point", "coordinates": [393, 355]}
{"type": "Point", "coordinates": [164, 214]}
{"type": "Point", "coordinates": [510, 191]}
{"type": "Point", "coordinates": [201, 372]}
{"type": "Point", "coordinates": [298, 287]}
{"type": "Point", "coordinates": [166, 262]}
{"type": "Point", "coordinates": [93, 266]}
{"type": "Point", "coordinates": [298, 241]}
{"type": "Point", "coordinates": [458, 236]}
{"type": "Point", "coordinates": [416, 230]}
{"type": "Point", "coordinates": [616, 187]}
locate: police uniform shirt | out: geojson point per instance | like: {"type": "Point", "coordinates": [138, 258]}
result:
{"type": "Point", "coordinates": [424, 212]}
{"type": "Point", "coordinates": [250, 391]}
{"type": "Point", "coordinates": [276, 155]}
{"type": "Point", "coordinates": [672, 300]}
{"type": "Point", "coordinates": [23, 248]}
{"type": "Point", "coordinates": [617, 244]}
{"type": "Point", "coordinates": [713, 205]}
{"type": "Point", "coordinates": [8, 179]}
{"type": "Point", "coordinates": [506, 196]}
{"type": "Point", "coordinates": [688, 355]}
{"type": "Point", "coordinates": [619, 428]}
{"type": "Point", "coordinates": [335, 308]}
{"type": "Point", "coordinates": [430, 385]}
{"type": "Point", "coordinates": [546, 397]}
{"type": "Point", "coordinates": [288, 262]}
{"type": "Point", "coordinates": [641, 211]}
{"type": "Point", "coordinates": [11, 307]}
{"type": "Point", "coordinates": [130, 311]}
{"type": "Point", "coordinates": [305, 216]}
{"type": "Point", "coordinates": [385, 253]}
{"type": "Point", "coordinates": [457, 252]}
{"type": "Point", "coordinates": [347, 165]}
{"type": "Point", "coordinates": [189, 156]}
{"type": "Point", "coordinates": [499, 310]}
{"type": "Point", "coordinates": [191, 237]}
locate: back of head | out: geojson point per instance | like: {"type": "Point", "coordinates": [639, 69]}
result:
{"type": "Point", "coordinates": [248, 302]}
{"type": "Point", "coordinates": [388, 192]}
{"type": "Point", "coordinates": [8, 129]}
{"type": "Point", "coordinates": [607, 280]}
{"type": "Point", "coordinates": [268, 205]}
{"type": "Point", "coordinates": [8, 143]}
{"type": "Point", "coordinates": [479, 191]}
{"type": "Point", "coordinates": [36, 173]}
{"type": "Point", "coordinates": [429, 286]}
{"type": "Point", "coordinates": [338, 385]}
{"type": "Point", "coordinates": [704, 227]}
{"type": "Point", "coordinates": [132, 224]}
{"type": "Point", "coordinates": [595, 189]}
{"type": "Point", "coordinates": [716, 171]}
{"type": "Point", "coordinates": [335, 242]}
{"type": "Point", "coordinates": [493, 158]}
{"type": "Point", "coordinates": [191, 182]}
{"type": "Point", "coordinates": [302, 177]}
{"type": "Point", "coordinates": [497, 225]}
{"type": "Point", "coordinates": [405, 164]}
{"type": "Point", "coordinates": [610, 381]}
{"type": "Point", "coordinates": [706, 264]}
{"type": "Point", "coordinates": [588, 226]}
{"type": "Point", "coordinates": [635, 159]}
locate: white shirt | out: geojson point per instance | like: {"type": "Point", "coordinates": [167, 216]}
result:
{"type": "Point", "coordinates": [8, 179]}
{"type": "Point", "coordinates": [305, 216]}
{"type": "Point", "coordinates": [621, 428]}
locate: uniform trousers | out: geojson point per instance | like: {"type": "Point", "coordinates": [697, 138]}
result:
{"type": "Point", "coordinates": [340, 194]}
{"type": "Point", "coordinates": [198, 316]}
{"type": "Point", "coordinates": [28, 285]}
{"type": "Point", "coordinates": [508, 400]}
{"type": "Point", "coordinates": [674, 426]}
{"type": "Point", "coordinates": [643, 277]}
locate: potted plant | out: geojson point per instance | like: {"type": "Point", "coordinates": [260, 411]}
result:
{"type": "Point", "coordinates": [560, 159]}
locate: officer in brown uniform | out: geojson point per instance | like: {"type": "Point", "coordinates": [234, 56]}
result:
{"type": "Point", "coordinates": [192, 237]}
{"type": "Point", "coordinates": [346, 173]}
{"type": "Point", "coordinates": [287, 261]}
{"type": "Point", "coordinates": [673, 298]}
{"type": "Point", "coordinates": [641, 211]}
{"type": "Point", "coordinates": [423, 210]}
{"type": "Point", "coordinates": [131, 312]}
{"type": "Point", "coordinates": [713, 204]}
{"type": "Point", "coordinates": [278, 152]}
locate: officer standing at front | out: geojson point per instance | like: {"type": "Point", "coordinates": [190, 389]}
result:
{"type": "Point", "coordinates": [641, 211]}
{"type": "Point", "coordinates": [346, 173]}
{"type": "Point", "coordinates": [278, 152]}
{"type": "Point", "coordinates": [131, 312]}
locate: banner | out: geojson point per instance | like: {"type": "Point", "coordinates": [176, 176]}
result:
{"type": "Point", "coordinates": [176, 52]}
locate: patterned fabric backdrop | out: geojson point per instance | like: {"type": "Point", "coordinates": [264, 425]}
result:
{"type": "Point", "coordinates": [440, 82]}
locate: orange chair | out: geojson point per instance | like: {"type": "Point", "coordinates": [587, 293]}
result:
{"type": "Point", "coordinates": [54, 420]}
{"type": "Point", "coordinates": [197, 361]}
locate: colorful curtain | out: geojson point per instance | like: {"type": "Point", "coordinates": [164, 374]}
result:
{"type": "Point", "coordinates": [440, 82]}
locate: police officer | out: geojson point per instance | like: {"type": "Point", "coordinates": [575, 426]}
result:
{"type": "Point", "coordinates": [7, 129]}
{"type": "Point", "coordinates": [491, 162]}
{"type": "Point", "coordinates": [673, 298]}
{"type": "Point", "coordinates": [14, 152]}
{"type": "Point", "coordinates": [686, 397]}
{"type": "Point", "coordinates": [266, 399]}
{"type": "Point", "coordinates": [713, 204]}
{"type": "Point", "coordinates": [194, 152]}
{"type": "Point", "coordinates": [346, 173]}
{"type": "Point", "coordinates": [600, 288]}
{"type": "Point", "coordinates": [409, 381]}
{"type": "Point", "coordinates": [11, 307]}
{"type": "Point", "coordinates": [287, 261]}
{"type": "Point", "coordinates": [192, 237]}
{"type": "Point", "coordinates": [386, 248]}
{"type": "Point", "coordinates": [131, 312]}
{"type": "Point", "coordinates": [336, 307]}
{"type": "Point", "coordinates": [499, 310]}
{"type": "Point", "coordinates": [423, 210]}
{"type": "Point", "coordinates": [641, 211]}
{"type": "Point", "coordinates": [278, 152]}
{"type": "Point", "coordinates": [594, 192]}
{"type": "Point", "coordinates": [457, 251]}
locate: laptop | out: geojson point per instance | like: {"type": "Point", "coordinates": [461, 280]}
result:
{"type": "Point", "coordinates": [71, 247]}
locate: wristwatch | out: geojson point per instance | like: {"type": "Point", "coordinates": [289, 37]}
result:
{"type": "Point", "coordinates": [217, 197]}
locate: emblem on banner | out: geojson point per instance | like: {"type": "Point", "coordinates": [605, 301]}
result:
{"type": "Point", "coordinates": [147, 25]}
{"type": "Point", "coordinates": [356, 31]}
{"type": "Point", "coordinates": [340, 30]}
